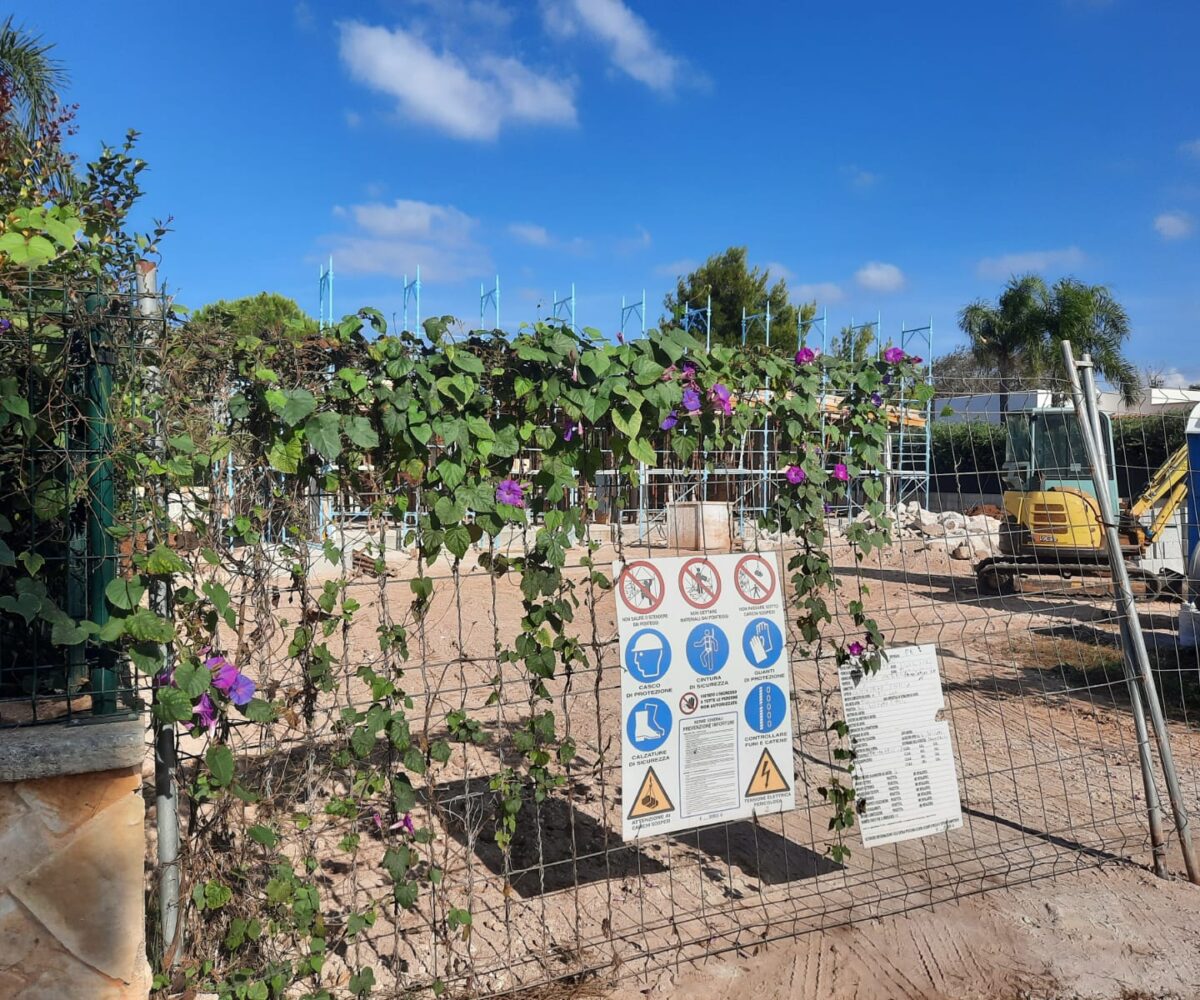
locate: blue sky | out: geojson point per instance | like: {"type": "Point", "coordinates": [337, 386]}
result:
{"type": "Point", "coordinates": [890, 159]}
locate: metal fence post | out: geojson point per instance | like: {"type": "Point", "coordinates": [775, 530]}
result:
{"type": "Point", "coordinates": [1131, 626]}
{"type": "Point", "coordinates": [166, 792]}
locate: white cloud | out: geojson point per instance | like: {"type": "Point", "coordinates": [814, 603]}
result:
{"type": "Point", "coordinates": [632, 46]}
{"type": "Point", "coordinates": [302, 15]}
{"type": "Point", "coordinates": [820, 291]}
{"type": "Point", "coordinates": [539, 236]}
{"type": "Point", "coordinates": [1174, 225]}
{"type": "Point", "coordinates": [860, 178]}
{"type": "Point", "coordinates": [526, 232]}
{"type": "Point", "coordinates": [875, 276]}
{"type": "Point", "coordinates": [1191, 148]}
{"type": "Point", "coordinates": [778, 270]}
{"type": "Point", "coordinates": [631, 244]}
{"type": "Point", "coordinates": [1174, 378]}
{"type": "Point", "coordinates": [439, 89]}
{"type": "Point", "coordinates": [1005, 266]}
{"type": "Point", "coordinates": [394, 238]}
{"type": "Point", "coordinates": [676, 268]}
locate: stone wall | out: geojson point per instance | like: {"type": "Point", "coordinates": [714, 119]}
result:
{"type": "Point", "coordinates": [72, 848]}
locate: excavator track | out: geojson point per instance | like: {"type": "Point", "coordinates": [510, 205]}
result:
{"type": "Point", "coordinates": [1029, 574]}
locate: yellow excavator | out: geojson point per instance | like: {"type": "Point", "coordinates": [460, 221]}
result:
{"type": "Point", "coordinates": [1052, 525]}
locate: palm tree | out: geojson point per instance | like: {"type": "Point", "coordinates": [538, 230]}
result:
{"type": "Point", "coordinates": [31, 75]}
{"type": "Point", "coordinates": [1019, 336]}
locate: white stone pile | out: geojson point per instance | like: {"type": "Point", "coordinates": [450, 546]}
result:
{"type": "Point", "coordinates": [961, 536]}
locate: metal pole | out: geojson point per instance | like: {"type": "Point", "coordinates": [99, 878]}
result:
{"type": "Point", "coordinates": [166, 792]}
{"type": "Point", "coordinates": [1158, 841]}
{"type": "Point", "coordinates": [1131, 626]}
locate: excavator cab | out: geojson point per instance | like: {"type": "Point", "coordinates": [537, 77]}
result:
{"type": "Point", "coordinates": [1053, 525]}
{"type": "Point", "coordinates": [1044, 451]}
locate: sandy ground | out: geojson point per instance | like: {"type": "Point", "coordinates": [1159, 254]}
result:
{"type": "Point", "coordinates": [1110, 933]}
{"type": "Point", "coordinates": [1043, 892]}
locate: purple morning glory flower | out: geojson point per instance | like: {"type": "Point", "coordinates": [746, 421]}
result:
{"type": "Point", "coordinates": [5, 325]}
{"type": "Point", "coordinates": [887, 379]}
{"type": "Point", "coordinates": [691, 400]}
{"type": "Point", "coordinates": [720, 396]}
{"type": "Point", "coordinates": [841, 473]}
{"type": "Point", "coordinates": [795, 475]}
{"type": "Point", "coordinates": [828, 508]}
{"type": "Point", "coordinates": [855, 649]}
{"type": "Point", "coordinates": [806, 356]}
{"type": "Point", "coordinates": [206, 715]}
{"type": "Point", "coordinates": [689, 371]}
{"type": "Point", "coordinates": [405, 823]}
{"type": "Point", "coordinates": [893, 355]}
{"type": "Point", "coordinates": [224, 673]}
{"type": "Point", "coordinates": [876, 399]}
{"type": "Point", "coordinates": [670, 420]}
{"type": "Point", "coordinates": [242, 690]}
{"type": "Point", "coordinates": [510, 492]}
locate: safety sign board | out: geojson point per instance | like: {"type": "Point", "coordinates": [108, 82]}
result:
{"type": "Point", "coordinates": [705, 691]}
{"type": "Point", "coordinates": [904, 765]}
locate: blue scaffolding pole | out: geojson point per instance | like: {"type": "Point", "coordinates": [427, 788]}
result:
{"type": "Point", "coordinates": [491, 298]}
{"type": "Point", "coordinates": [694, 318]}
{"type": "Point", "coordinates": [748, 322]}
{"type": "Point", "coordinates": [637, 308]}
{"type": "Point", "coordinates": [325, 291]}
{"type": "Point", "coordinates": [412, 291]}
{"type": "Point", "coordinates": [912, 448]}
{"type": "Point", "coordinates": [564, 309]}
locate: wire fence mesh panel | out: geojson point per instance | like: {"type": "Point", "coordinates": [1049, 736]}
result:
{"type": "Point", "coordinates": [424, 785]}
{"type": "Point", "coordinates": [67, 507]}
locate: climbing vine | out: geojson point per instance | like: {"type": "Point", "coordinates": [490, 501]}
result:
{"type": "Point", "coordinates": [433, 431]}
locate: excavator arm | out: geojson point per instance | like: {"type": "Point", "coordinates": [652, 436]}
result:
{"type": "Point", "coordinates": [1166, 490]}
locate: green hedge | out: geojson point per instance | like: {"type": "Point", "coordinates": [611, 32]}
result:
{"type": "Point", "coordinates": [968, 457]}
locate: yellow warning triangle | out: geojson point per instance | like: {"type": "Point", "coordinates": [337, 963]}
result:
{"type": "Point", "coordinates": [651, 799]}
{"type": "Point", "coordinates": [767, 777]}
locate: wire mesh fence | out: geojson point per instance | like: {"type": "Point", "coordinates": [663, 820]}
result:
{"type": "Point", "coordinates": [541, 887]}
{"type": "Point", "coordinates": [68, 513]}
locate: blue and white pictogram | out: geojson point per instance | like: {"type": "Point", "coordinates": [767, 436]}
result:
{"type": "Point", "coordinates": [762, 642]}
{"type": "Point", "coordinates": [707, 649]}
{"type": "Point", "coordinates": [766, 707]}
{"type": "Point", "coordinates": [648, 655]}
{"type": "Point", "coordinates": [649, 724]}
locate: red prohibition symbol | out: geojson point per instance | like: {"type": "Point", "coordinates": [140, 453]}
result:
{"type": "Point", "coordinates": [700, 583]}
{"type": "Point", "coordinates": [641, 587]}
{"type": "Point", "coordinates": [754, 579]}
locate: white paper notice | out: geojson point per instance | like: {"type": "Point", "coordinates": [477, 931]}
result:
{"type": "Point", "coordinates": [904, 766]}
{"type": "Point", "coordinates": [705, 691]}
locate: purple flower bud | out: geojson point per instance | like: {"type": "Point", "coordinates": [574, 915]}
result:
{"type": "Point", "coordinates": [620, 337]}
{"type": "Point", "coordinates": [206, 715]}
{"type": "Point", "coordinates": [720, 395]}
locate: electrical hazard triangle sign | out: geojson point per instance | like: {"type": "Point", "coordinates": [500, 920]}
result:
{"type": "Point", "coordinates": [767, 778]}
{"type": "Point", "coordinates": [652, 798]}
